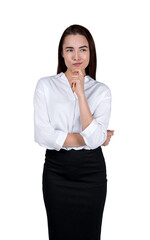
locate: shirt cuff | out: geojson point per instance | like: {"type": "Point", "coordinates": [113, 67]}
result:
{"type": "Point", "coordinates": [89, 129]}
{"type": "Point", "coordinates": [61, 139]}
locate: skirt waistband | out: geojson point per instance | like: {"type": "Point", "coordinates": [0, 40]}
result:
{"type": "Point", "coordinates": [76, 154]}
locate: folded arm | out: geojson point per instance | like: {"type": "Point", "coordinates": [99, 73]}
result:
{"type": "Point", "coordinates": [74, 140]}
{"type": "Point", "coordinates": [94, 128]}
{"type": "Point", "coordinates": [95, 133]}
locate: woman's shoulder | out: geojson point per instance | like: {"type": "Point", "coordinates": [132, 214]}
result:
{"type": "Point", "coordinates": [43, 81]}
{"type": "Point", "coordinates": [100, 86]}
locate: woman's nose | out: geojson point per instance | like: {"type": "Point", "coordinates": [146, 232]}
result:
{"type": "Point", "coordinates": [76, 56]}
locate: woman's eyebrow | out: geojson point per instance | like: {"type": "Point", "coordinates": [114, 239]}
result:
{"type": "Point", "coordinates": [84, 46]}
{"type": "Point", "coordinates": [79, 47]}
{"type": "Point", "coordinates": [68, 47]}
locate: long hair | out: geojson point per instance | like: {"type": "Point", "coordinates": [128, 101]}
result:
{"type": "Point", "coordinates": [73, 30]}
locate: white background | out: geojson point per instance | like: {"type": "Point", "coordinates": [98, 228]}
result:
{"type": "Point", "coordinates": [30, 33]}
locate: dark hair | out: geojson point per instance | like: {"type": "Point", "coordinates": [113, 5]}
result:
{"type": "Point", "coordinates": [73, 30]}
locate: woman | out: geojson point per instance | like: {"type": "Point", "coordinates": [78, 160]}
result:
{"type": "Point", "coordinates": [71, 116]}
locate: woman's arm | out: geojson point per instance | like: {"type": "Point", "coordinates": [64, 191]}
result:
{"type": "Point", "coordinates": [44, 133]}
{"type": "Point", "coordinates": [95, 133]}
{"type": "Point", "coordinates": [74, 140]}
{"type": "Point", "coordinates": [85, 113]}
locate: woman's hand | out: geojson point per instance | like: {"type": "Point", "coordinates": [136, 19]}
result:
{"type": "Point", "coordinates": [110, 133]}
{"type": "Point", "coordinates": [77, 81]}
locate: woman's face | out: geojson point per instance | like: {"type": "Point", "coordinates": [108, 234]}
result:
{"type": "Point", "coordinates": [76, 53]}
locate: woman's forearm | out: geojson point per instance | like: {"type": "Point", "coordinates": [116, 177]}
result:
{"type": "Point", "coordinates": [74, 140]}
{"type": "Point", "coordinates": [85, 113]}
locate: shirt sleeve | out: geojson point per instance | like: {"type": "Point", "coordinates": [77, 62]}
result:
{"type": "Point", "coordinates": [44, 133]}
{"type": "Point", "coordinates": [95, 133]}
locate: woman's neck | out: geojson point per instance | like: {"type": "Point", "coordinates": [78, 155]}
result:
{"type": "Point", "coordinates": [68, 75]}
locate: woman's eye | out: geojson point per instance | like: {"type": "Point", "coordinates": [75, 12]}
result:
{"type": "Point", "coordinates": [83, 50]}
{"type": "Point", "coordinates": [69, 50]}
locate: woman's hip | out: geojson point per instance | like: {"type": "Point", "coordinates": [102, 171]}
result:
{"type": "Point", "coordinates": [78, 165]}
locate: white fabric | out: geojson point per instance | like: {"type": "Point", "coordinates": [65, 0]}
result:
{"type": "Point", "coordinates": [57, 113]}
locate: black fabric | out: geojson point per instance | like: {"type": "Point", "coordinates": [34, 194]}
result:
{"type": "Point", "coordinates": [74, 193]}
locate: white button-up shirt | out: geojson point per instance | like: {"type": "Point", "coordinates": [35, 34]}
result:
{"type": "Point", "coordinates": [57, 113]}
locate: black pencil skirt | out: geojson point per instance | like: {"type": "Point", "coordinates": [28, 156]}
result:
{"type": "Point", "coordinates": [74, 191]}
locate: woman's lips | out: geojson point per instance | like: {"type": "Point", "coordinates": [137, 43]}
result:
{"type": "Point", "coordinates": [77, 64]}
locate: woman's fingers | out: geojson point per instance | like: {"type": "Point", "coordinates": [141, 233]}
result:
{"type": "Point", "coordinates": [110, 133]}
